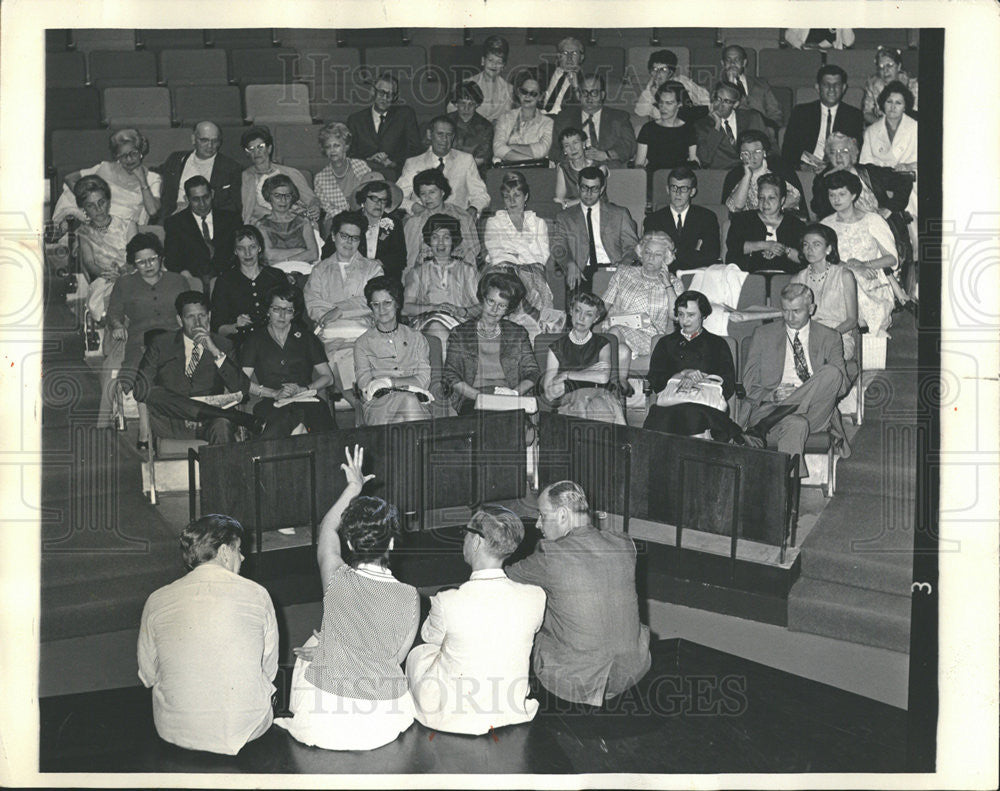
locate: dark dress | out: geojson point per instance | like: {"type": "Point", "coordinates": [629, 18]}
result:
{"type": "Point", "coordinates": [667, 145]}
{"type": "Point", "coordinates": [235, 293]}
{"type": "Point", "coordinates": [747, 226]}
{"type": "Point", "coordinates": [586, 399]}
{"type": "Point", "coordinates": [707, 353]}
{"type": "Point", "coordinates": [274, 365]}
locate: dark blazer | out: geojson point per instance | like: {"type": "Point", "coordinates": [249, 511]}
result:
{"type": "Point", "coordinates": [391, 251]}
{"type": "Point", "coordinates": [746, 226]}
{"type": "Point", "coordinates": [804, 124]}
{"type": "Point", "coordinates": [545, 72]}
{"type": "Point", "coordinates": [714, 149]}
{"type": "Point", "coordinates": [516, 357]}
{"type": "Point", "coordinates": [399, 136]}
{"type": "Point", "coordinates": [185, 247]}
{"type": "Point", "coordinates": [570, 242]}
{"type": "Point", "coordinates": [706, 352]}
{"type": "Point", "coordinates": [225, 181]}
{"type": "Point", "coordinates": [163, 365]}
{"type": "Point", "coordinates": [615, 133]}
{"type": "Point", "coordinates": [700, 225]}
{"type": "Point", "coordinates": [891, 189]}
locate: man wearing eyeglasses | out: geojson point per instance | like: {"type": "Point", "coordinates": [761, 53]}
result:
{"type": "Point", "coordinates": [718, 132]}
{"type": "Point", "coordinates": [224, 175]}
{"type": "Point", "coordinates": [610, 137]}
{"type": "Point", "coordinates": [755, 93]}
{"type": "Point", "coordinates": [470, 674]}
{"type": "Point", "coordinates": [199, 239]}
{"type": "Point", "coordinates": [694, 229]}
{"type": "Point", "coordinates": [562, 83]}
{"type": "Point", "coordinates": [386, 133]}
{"type": "Point", "coordinates": [662, 66]}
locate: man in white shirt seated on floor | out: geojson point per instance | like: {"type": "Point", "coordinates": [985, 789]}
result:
{"type": "Point", "coordinates": [208, 645]}
{"type": "Point", "coordinates": [471, 672]}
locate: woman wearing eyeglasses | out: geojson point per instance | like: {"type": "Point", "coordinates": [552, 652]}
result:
{"type": "Point", "coordinates": [135, 191]}
{"type": "Point", "coordinates": [342, 176]}
{"type": "Point", "coordinates": [282, 359]}
{"type": "Point", "coordinates": [524, 133]}
{"type": "Point", "coordinates": [259, 146]}
{"type": "Point", "coordinates": [287, 236]}
{"type": "Point", "coordinates": [574, 147]}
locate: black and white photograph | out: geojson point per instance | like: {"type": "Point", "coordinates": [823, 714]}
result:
{"type": "Point", "coordinates": [401, 397]}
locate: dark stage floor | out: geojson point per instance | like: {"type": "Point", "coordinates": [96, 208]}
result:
{"type": "Point", "coordinates": [697, 711]}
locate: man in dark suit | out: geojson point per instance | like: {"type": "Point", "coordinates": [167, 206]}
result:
{"type": "Point", "coordinates": [224, 174]}
{"type": "Point", "coordinates": [610, 138]}
{"type": "Point", "coordinates": [718, 132]}
{"type": "Point", "coordinates": [793, 375]}
{"type": "Point", "coordinates": [812, 123]}
{"type": "Point", "coordinates": [199, 239]}
{"type": "Point", "coordinates": [385, 134]}
{"type": "Point", "coordinates": [560, 83]}
{"type": "Point", "coordinates": [694, 229]}
{"type": "Point", "coordinates": [756, 93]}
{"type": "Point", "coordinates": [177, 367]}
{"type": "Point", "coordinates": [595, 233]}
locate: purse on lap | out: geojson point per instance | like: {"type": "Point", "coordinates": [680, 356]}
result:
{"type": "Point", "coordinates": [707, 392]}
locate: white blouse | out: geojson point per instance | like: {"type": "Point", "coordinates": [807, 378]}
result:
{"type": "Point", "coordinates": [505, 243]}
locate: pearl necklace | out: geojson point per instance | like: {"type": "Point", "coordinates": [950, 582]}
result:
{"type": "Point", "coordinates": [490, 335]}
{"type": "Point", "coordinates": [580, 341]}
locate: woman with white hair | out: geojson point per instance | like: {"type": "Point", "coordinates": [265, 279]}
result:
{"type": "Point", "coordinates": [339, 180]}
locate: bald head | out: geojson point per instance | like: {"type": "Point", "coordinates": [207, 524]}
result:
{"type": "Point", "coordinates": [207, 138]}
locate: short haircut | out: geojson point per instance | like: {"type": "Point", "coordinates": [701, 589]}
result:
{"type": "Point", "coordinates": [271, 183]}
{"type": "Point", "coordinates": [828, 234]}
{"type": "Point", "coordinates": [571, 131]}
{"type": "Point", "coordinates": [496, 45]}
{"type": "Point", "coordinates": [514, 179]}
{"type": "Point", "coordinates": [524, 77]}
{"type": "Point", "coordinates": [334, 130]}
{"type": "Point", "coordinates": [88, 184]}
{"type": "Point", "coordinates": [570, 40]}
{"type": "Point", "coordinates": [896, 86]}
{"type": "Point", "coordinates": [385, 283]}
{"type": "Point", "coordinates": [142, 241]}
{"type": "Point", "coordinates": [656, 236]}
{"type": "Point", "coordinates": [196, 181]}
{"type": "Point", "coordinates": [742, 52]}
{"type": "Point", "coordinates": [388, 77]}
{"type": "Point", "coordinates": [677, 89]}
{"type": "Point", "coordinates": [594, 172]}
{"type": "Point", "coordinates": [567, 494]}
{"type": "Point", "coordinates": [599, 78]}
{"type": "Point", "coordinates": [591, 300]}
{"type": "Point", "coordinates": [467, 90]}
{"type": "Point", "coordinates": [888, 52]}
{"type": "Point", "coordinates": [438, 221]}
{"type": "Point", "coordinates": [683, 173]}
{"type": "Point", "coordinates": [128, 135]}
{"type": "Point", "coordinates": [796, 290]}
{"type": "Point", "coordinates": [840, 139]}
{"type": "Point", "coordinates": [664, 56]}
{"type": "Point", "coordinates": [506, 284]}
{"type": "Point", "coordinates": [369, 524]}
{"type": "Point", "coordinates": [841, 178]}
{"type": "Point", "coordinates": [441, 119]}
{"type": "Point", "coordinates": [349, 217]}
{"type": "Point", "coordinates": [186, 298]}
{"type": "Point", "coordinates": [201, 539]}
{"type": "Point", "coordinates": [704, 306]}
{"type": "Point", "coordinates": [249, 232]}
{"type": "Point", "coordinates": [502, 529]}
{"type": "Point", "coordinates": [752, 136]}
{"type": "Point", "coordinates": [256, 133]}
{"type": "Point", "coordinates": [775, 181]}
{"type": "Point", "coordinates": [285, 291]}
{"type": "Point", "coordinates": [831, 70]}
{"type": "Point", "coordinates": [432, 177]}
{"type": "Point", "coordinates": [721, 85]}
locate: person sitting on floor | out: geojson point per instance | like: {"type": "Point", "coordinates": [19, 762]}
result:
{"type": "Point", "coordinates": [592, 646]}
{"type": "Point", "coordinates": [470, 675]}
{"type": "Point", "coordinates": [208, 645]}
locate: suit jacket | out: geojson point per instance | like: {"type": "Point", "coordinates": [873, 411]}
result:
{"type": "Point", "coordinates": [225, 181]}
{"type": "Point", "coordinates": [762, 99]}
{"type": "Point", "coordinates": [471, 672]}
{"type": "Point", "coordinates": [545, 73]}
{"type": "Point", "coordinates": [571, 243]}
{"type": "Point", "coordinates": [163, 365]}
{"type": "Point", "coordinates": [614, 134]}
{"type": "Point", "coordinates": [891, 189]}
{"type": "Point", "coordinates": [714, 149]}
{"type": "Point", "coordinates": [185, 247]}
{"type": "Point", "coordinates": [765, 360]}
{"type": "Point", "coordinates": [700, 225]}
{"type": "Point", "coordinates": [804, 124]}
{"type": "Point", "coordinates": [399, 136]}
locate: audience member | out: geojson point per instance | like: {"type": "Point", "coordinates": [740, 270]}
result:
{"type": "Point", "coordinates": [433, 191]}
{"type": "Point", "coordinates": [524, 133]}
{"type": "Point", "coordinates": [768, 237]}
{"type": "Point", "coordinates": [693, 229]}
{"type": "Point", "coordinates": [592, 646]}
{"type": "Point", "coordinates": [835, 291]}
{"type": "Point", "coordinates": [490, 354]}
{"type": "Point", "coordinates": [259, 146]}
{"type": "Point", "coordinates": [597, 233]}
{"type": "Point", "coordinates": [470, 675]}
{"type": "Point", "coordinates": [178, 368]}
{"type": "Point", "coordinates": [562, 82]}
{"type": "Point", "coordinates": [578, 366]}
{"type": "Point", "coordinates": [383, 241]}
{"type": "Point", "coordinates": [718, 132]}
{"type": "Point", "coordinates": [386, 133]}
{"type": "Point", "coordinates": [208, 645]}
{"type": "Point", "coordinates": [200, 237]}
{"type": "Point", "coordinates": [348, 691]}
{"type": "Point", "coordinates": [755, 93]}
{"type": "Point", "coordinates": [574, 147]}
{"type": "Point", "coordinates": [819, 37]}
{"type": "Point", "coordinates": [287, 236]}
{"type": "Point", "coordinates": [496, 94]}
{"type": "Point", "coordinates": [609, 133]}
{"type": "Point", "coordinates": [389, 358]}
{"type": "Point", "coordinates": [640, 301]}
{"type": "Point", "coordinates": [473, 133]}
{"type": "Point", "coordinates": [283, 360]}
{"type": "Point", "coordinates": [336, 183]}
{"type": "Point", "coordinates": [662, 67]}
{"type": "Point", "coordinates": [888, 68]}
{"type": "Point", "coordinates": [669, 141]}
{"type": "Point", "coordinates": [739, 190]}
{"type": "Point", "coordinates": [222, 173]}
{"type": "Point", "coordinates": [793, 375]}
{"type": "Point", "coordinates": [812, 123]}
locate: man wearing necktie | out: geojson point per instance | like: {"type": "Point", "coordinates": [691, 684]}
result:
{"type": "Point", "coordinates": [812, 123]}
{"type": "Point", "coordinates": [198, 240]}
{"type": "Point", "coordinates": [794, 374]}
{"type": "Point", "coordinates": [561, 84]}
{"type": "Point", "coordinates": [610, 136]}
{"type": "Point", "coordinates": [718, 132]}
{"type": "Point", "coordinates": [385, 133]}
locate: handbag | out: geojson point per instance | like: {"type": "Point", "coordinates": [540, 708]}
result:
{"type": "Point", "coordinates": [708, 392]}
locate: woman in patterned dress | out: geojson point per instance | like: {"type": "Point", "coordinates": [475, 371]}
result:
{"type": "Point", "coordinates": [336, 182]}
{"type": "Point", "coordinates": [835, 291]}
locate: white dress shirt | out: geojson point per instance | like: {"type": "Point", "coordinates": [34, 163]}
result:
{"type": "Point", "coordinates": [595, 219]}
{"type": "Point", "coordinates": [467, 187]}
{"type": "Point", "coordinates": [562, 91]}
{"type": "Point", "coordinates": [193, 167]}
{"type": "Point", "coordinates": [789, 376]}
{"type": "Point", "coordinates": [819, 150]}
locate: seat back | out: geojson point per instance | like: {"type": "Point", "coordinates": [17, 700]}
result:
{"type": "Point", "coordinates": [541, 348]}
{"type": "Point", "coordinates": [278, 104]}
{"type": "Point", "coordinates": [401, 61]}
{"type": "Point", "coordinates": [299, 143]}
{"type": "Point", "coordinates": [117, 68]}
{"type": "Point", "coordinates": [65, 69]}
{"type": "Point", "coordinates": [778, 66]}
{"type": "Point", "coordinates": [221, 103]}
{"type": "Point", "coordinates": [441, 407]}
{"type": "Point", "coordinates": [194, 67]}
{"type": "Point", "coordinates": [858, 63]}
{"type": "Point", "coordinates": [265, 66]}
{"type": "Point", "coordinates": [73, 108]}
{"type": "Point", "coordinates": [159, 39]}
{"type": "Point", "coordinates": [106, 39]}
{"type": "Point", "coordinates": [137, 107]}
{"type": "Point", "coordinates": [241, 38]}
{"type": "Point", "coordinates": [627, 188]}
